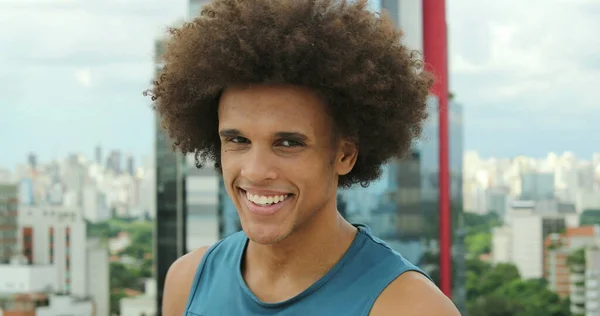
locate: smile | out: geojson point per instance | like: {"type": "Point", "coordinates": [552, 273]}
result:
{"type": "Point", "coordinates": [263, 200]}
{"type": "Point", "coordinates": [264, 203]}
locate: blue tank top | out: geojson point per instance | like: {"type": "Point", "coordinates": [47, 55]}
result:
{"type": "Point", "coordinates": [349, 288]}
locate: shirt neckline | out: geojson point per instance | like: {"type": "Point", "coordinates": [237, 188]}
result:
{"type": "Point", "coordinates": [356, 244]}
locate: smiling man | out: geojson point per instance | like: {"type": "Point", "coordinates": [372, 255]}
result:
{"type": "Point", "coordinates": [293, 100]}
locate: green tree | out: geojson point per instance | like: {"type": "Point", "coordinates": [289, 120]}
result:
{"type": "Point", "coordinates": [476, 223]}
{"type": "Point", "coordinates": [487, 281]}
{"type": "Point", "coordinates": [478, 243]}
{"type": "Point", "coordinates": [121, 277]}
{"type": "Point", "coordinates": [126, 276]}
{"type": "Point", "coordinates": [498, 290]}
{"type": "Point", "coordinates": [115, 301]}
{"type": "Point", "coordinates": [534, 298]}
{"type": "Point", "coordinates": [475, 268]}
{"type": "Point", "coordinates": [141, 240]}
{"type": "Point", "coordinates": [520, 298]}
{"type": "Point", "coordinates": [108, 229]}
{"type": "Point", "coordinates": [493, 305]}
{"type": "Point", "coordinates": [576, 260]}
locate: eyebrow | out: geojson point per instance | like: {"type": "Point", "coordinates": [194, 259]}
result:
{"type": "Point", "coordinates": [292, 135]}
{"type": "Point", "coordinates": [230, 133]}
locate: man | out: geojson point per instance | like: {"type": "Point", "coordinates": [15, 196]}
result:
{"type": "Point", "coordinates": [292, 100]}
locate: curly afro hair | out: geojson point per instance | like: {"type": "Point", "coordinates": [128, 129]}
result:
{"type": "Point", "coordinates": [374, 86]}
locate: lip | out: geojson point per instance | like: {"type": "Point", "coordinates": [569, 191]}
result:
{"type": "Point", "coordinates": [263, 210]}
{"type": "Point", "coordinates": [263, 192]}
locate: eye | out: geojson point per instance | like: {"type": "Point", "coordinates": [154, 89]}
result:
{"type": "Point", "coordinates": [238, 140]}
{"type": "Point", "coordinates": [290, 143]}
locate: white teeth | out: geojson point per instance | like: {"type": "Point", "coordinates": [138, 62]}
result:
{"type": "Point", "coordinates": [265, 200]}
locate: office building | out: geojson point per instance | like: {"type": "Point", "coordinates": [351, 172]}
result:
{"type": "Point", "coordinates": [98, 276]}
{"type": "Point", "coordinates": [95, 204]}
{"type": "Point", "coordinates": [202, 205]}
{"type": "Point", "coordinates": [54, 235]}
{"type": "Point", "coordinates": [58, 268]}
{"type": "Point", "coordinates": [31, 290]}
{"type": "Point", "coordinates": [537, 186]}
{"type": "Point", "coordinates": [130, 165]}
{"type": "Point", "coordinates": [521, 241]}
{"type": "Point", "coordinates": [497, 200]}
{"type": "Point", "coordinates": [8, 221]}
{"type": "Point", "coordinates": [592, 282]}
{"type": "Point", "coordinates": [572, 267]}
{"type": "Point", "coordinates": [98, 155]}
{"type": "Point", "coordinates": [176, 179]}
{"type": "Point", "coordinates": [32, 161]}
{"type": "Point", "coordinates": [170, 220]}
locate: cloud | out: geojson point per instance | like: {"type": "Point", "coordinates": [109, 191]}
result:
{"type": "Point", "coordinates": [83, 77]}
{"type": "Point", "coordinates": [529, 47]}
{"type": "Point", "coordinates": [92, 40]}
{"type": "Point", "coordinates": [73, 72]}
{"type": "Point", "coordinates": [526, 70]}
{"type": "Point", "coordinates": [115, 29]}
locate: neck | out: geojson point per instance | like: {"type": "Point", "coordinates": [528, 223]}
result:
{"type": "Point", "coordinates": [308, 253]}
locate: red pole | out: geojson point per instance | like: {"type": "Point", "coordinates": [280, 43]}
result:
{"type": "Point", "coordinates": [435, 49]}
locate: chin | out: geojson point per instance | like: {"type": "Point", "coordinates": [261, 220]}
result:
{"type": "Point", "coordinates": [266, 234]}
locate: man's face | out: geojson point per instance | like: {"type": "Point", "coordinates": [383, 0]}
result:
{"type": "Point", "coordinates": [279, 158]}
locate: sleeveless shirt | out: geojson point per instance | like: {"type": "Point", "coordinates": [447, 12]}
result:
{"type": "Point", "coordinates": [349, 288]}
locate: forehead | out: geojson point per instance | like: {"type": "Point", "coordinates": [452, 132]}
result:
{"type": "Point", "coordinates": [273, 107]}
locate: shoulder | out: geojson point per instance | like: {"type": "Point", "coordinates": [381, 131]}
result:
{"type": "Point", "coordinates": [178, 281]}
{"type": "Point", "coordinates": [412, 293]}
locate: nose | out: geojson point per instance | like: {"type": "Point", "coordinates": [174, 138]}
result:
{"type": "Point", "coordinates": [258, 165]}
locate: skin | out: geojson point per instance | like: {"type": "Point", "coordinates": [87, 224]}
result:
{"type": "Point", "coordinates": [278, 139]}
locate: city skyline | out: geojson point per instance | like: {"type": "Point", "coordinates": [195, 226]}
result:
{"type": "Point", "coordinates": [526, 82]}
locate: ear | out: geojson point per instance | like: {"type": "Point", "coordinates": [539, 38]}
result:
{"type": "Point", "coordinates": [346, 156]}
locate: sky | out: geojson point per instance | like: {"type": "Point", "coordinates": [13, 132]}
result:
{"type": "Point", "coordinates": [73, 72]}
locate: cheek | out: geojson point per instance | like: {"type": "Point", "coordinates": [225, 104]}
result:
{"type": "Point", "coordinates": [314, 174]}
{"type": "Point", "coordinates": [228, 165]}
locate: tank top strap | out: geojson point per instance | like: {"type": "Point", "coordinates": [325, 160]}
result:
{"type": "Point", "coordinates": [224, 251]}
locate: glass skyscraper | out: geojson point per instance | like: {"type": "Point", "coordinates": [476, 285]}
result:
{"type": "Point", "coordinates": [402, 206]}
{"type": "Point", "coordinates": [179, 190]}
{"type": "Point", "coordinates": [170, 223]}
